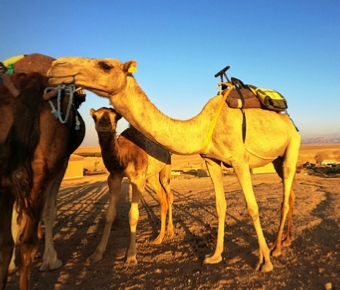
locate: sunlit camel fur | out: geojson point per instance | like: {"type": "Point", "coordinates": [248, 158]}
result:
{"type": "Point", "coordinates": [133, 156]}
{"type": "Point", "coordinates": [270, 137]}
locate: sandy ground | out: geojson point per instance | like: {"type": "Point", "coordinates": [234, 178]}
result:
{"type": "Point", "coordinates": [309, 263]}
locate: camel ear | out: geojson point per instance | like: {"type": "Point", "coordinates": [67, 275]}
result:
{"type": "Point", "coordinates": [130, 66]}
{"type": "Point", "coordinates": [118, 117]}
{"type": "Point", "coordinates": [91, 112]}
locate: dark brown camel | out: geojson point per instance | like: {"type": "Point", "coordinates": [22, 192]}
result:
{"type": "Point", "coordinates": [134, 156]}
{"type": "Point", "coordinates": [34, 151]}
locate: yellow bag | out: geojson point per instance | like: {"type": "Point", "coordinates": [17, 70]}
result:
{"type": "Point", "coordinates": [271, 99]}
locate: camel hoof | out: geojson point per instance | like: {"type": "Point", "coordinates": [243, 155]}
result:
{"type": "Point", "coordinates": [131, 260]}
{"type": "Point", "coordinates": [276, 252]}
{"type": "Point", "coordinates": [170, 233]}
{"type": "Point", "coordinates": [12, 269]}
{"type": "Point", "coordinates": [286, 243]}
{"type": "Point", "coordinates": [94, 258]}
{"type": "Point", "coordinates": [158, 240]}
{"type": "Point", "coordinates": [266, 267]}
{"type": "Point", "coordinates": [49, 267]}
{"type": "Point", "coordinates": [213, 259]}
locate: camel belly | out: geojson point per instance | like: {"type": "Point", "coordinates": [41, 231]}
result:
{"type": "Point", "coordinates": [156, 165]}
{"type": "Point", "coordinates": [268, 135]}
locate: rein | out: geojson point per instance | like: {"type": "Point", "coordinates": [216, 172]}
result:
{"type": "Point", "coordinates": [69, 90]}
{"type": "Point", "coordinates": [214, 121]}
{"type": "Point", "coordinates": [6, 79]}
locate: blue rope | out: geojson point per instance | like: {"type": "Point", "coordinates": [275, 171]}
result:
{"type": "Point", "coordinates": [69, 90]}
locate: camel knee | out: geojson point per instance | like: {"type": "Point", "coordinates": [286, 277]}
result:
{"type": "Point", "coordinates": [110, 216]}
{"type": "Point", "coordinates": [28, 251]}
{"type": "Point", "coordinates": [284, 211]}
{"type": "Point", "coordinates": [170, 198]}
{"type": "Point", "coordinates": [284, 207]}
{"type": "Point", "coordinates": [164, 206]}
{"type": "Point", "coordinates": [133, 216]}
{"type": "Point", "coordinates": [288, 170]}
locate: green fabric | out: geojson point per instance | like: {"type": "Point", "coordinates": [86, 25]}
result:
{"type": "Point", "coordinates": [10, 69]}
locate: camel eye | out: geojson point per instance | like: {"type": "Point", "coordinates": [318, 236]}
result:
{"type": "Point", "coordinates": [106, 67]}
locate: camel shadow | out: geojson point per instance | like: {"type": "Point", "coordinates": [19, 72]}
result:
{"type": "Point", "coordinates": [313, 255]}
{"type": "Point", "coordinates": [80, 213]}
{"type": "Point", "coordinates": [201, 238]}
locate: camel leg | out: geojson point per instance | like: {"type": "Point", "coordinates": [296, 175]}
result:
{"type": "Point", "coordinates": [155, 182]}
{"type": "Point", "coordinates": [114, 183]}
{"type": "Point", "coordinates": [164, 178]}
{"type": "Point", "coordinates": [242, 172]}
{"type": "Point", "coordinates": [287, 238]}
{"type": "Point", "coordinates": [50, 259]}
{"type": "Point", "coordinates": [29, 244]}
{"type": "Point", "coordinates": [215, 173]}
{"type": "Point", "coordinates": [28, 249]}
{"type": "Point", "coordinates": [286, 170]}
{"type": "Point", "coordinates": [17, 229]}
{"type": "Point", "coordinates": [137, 189]}
{"type": "Point", "coordinates": [30, 238]}
{"type": "Point", "coordinates": [6, 240]}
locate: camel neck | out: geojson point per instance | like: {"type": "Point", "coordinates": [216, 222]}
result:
{"type": "Point", "coordinates": [110, 152]}
{"type": "Point", "coordinates": [177, 136]}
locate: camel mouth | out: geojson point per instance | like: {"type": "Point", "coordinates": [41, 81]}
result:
{"type": "Point", "coordinates": [98, 92]}
{"type": "Point", "coordinates": [105, 129]}
{"type": "Point", "coordinates": [105, 133]}
{"type": "Point", "coordinates": [62, 80]}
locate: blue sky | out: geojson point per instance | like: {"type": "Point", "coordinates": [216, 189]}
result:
{"type": "Point", "coordinates": [290, 46]}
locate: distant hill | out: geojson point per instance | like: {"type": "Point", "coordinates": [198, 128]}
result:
{"type": "Point", "coordinates": [333, 138]}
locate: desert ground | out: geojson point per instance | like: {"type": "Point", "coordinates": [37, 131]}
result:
{"type": "Point", "coordinates": [311, 262]}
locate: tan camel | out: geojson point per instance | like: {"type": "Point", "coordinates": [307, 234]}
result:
{"type": "Point", "coordinates": [133, 156]}
{"type": "Point", "coordinates": [270, 137]}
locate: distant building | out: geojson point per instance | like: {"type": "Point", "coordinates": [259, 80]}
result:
{"type": "Point", "coordinates": [75, 167]}
{"type": "Point", "coordinates": [329, 163]}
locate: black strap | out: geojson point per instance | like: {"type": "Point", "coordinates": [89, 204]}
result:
{"type": "Point", "coordinates": [244, 121]}
{"type": "Point", "coordinates": [244, 126]}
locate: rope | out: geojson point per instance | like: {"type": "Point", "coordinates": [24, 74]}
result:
{"type": "Point", "coordinates": [214, 121]}
{"type": "Point", "coordinates": [69, 90]}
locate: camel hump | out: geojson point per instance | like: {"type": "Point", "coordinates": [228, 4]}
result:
{"type": "Point", "coordinates": [34, 62]}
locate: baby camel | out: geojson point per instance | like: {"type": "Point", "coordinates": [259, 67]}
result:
{"type": "Point", "coordinates": [134, 156]}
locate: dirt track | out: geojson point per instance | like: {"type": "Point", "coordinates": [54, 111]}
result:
{"type": "Point", "coordinates": [310, 262]}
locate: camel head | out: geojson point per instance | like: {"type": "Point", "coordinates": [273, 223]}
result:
{"type": "Point", "coordinates": [105, 119]}
{"type": "Point", "coordinates": [104, 77]}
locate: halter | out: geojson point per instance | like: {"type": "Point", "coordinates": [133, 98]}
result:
{"type": "Point", "coordinates": [69, 90]}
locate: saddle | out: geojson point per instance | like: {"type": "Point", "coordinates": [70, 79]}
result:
{"type": "Point", "coordinates": [25, 63]}
{"type": "Point", "coordinates": [34, 62]}
{"type": "Point", "coordinates": [28, 63]}
{"type": "Point", "coordinates": [248, 96]}
{"type": "Point", "coordinates": [238, 95]}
